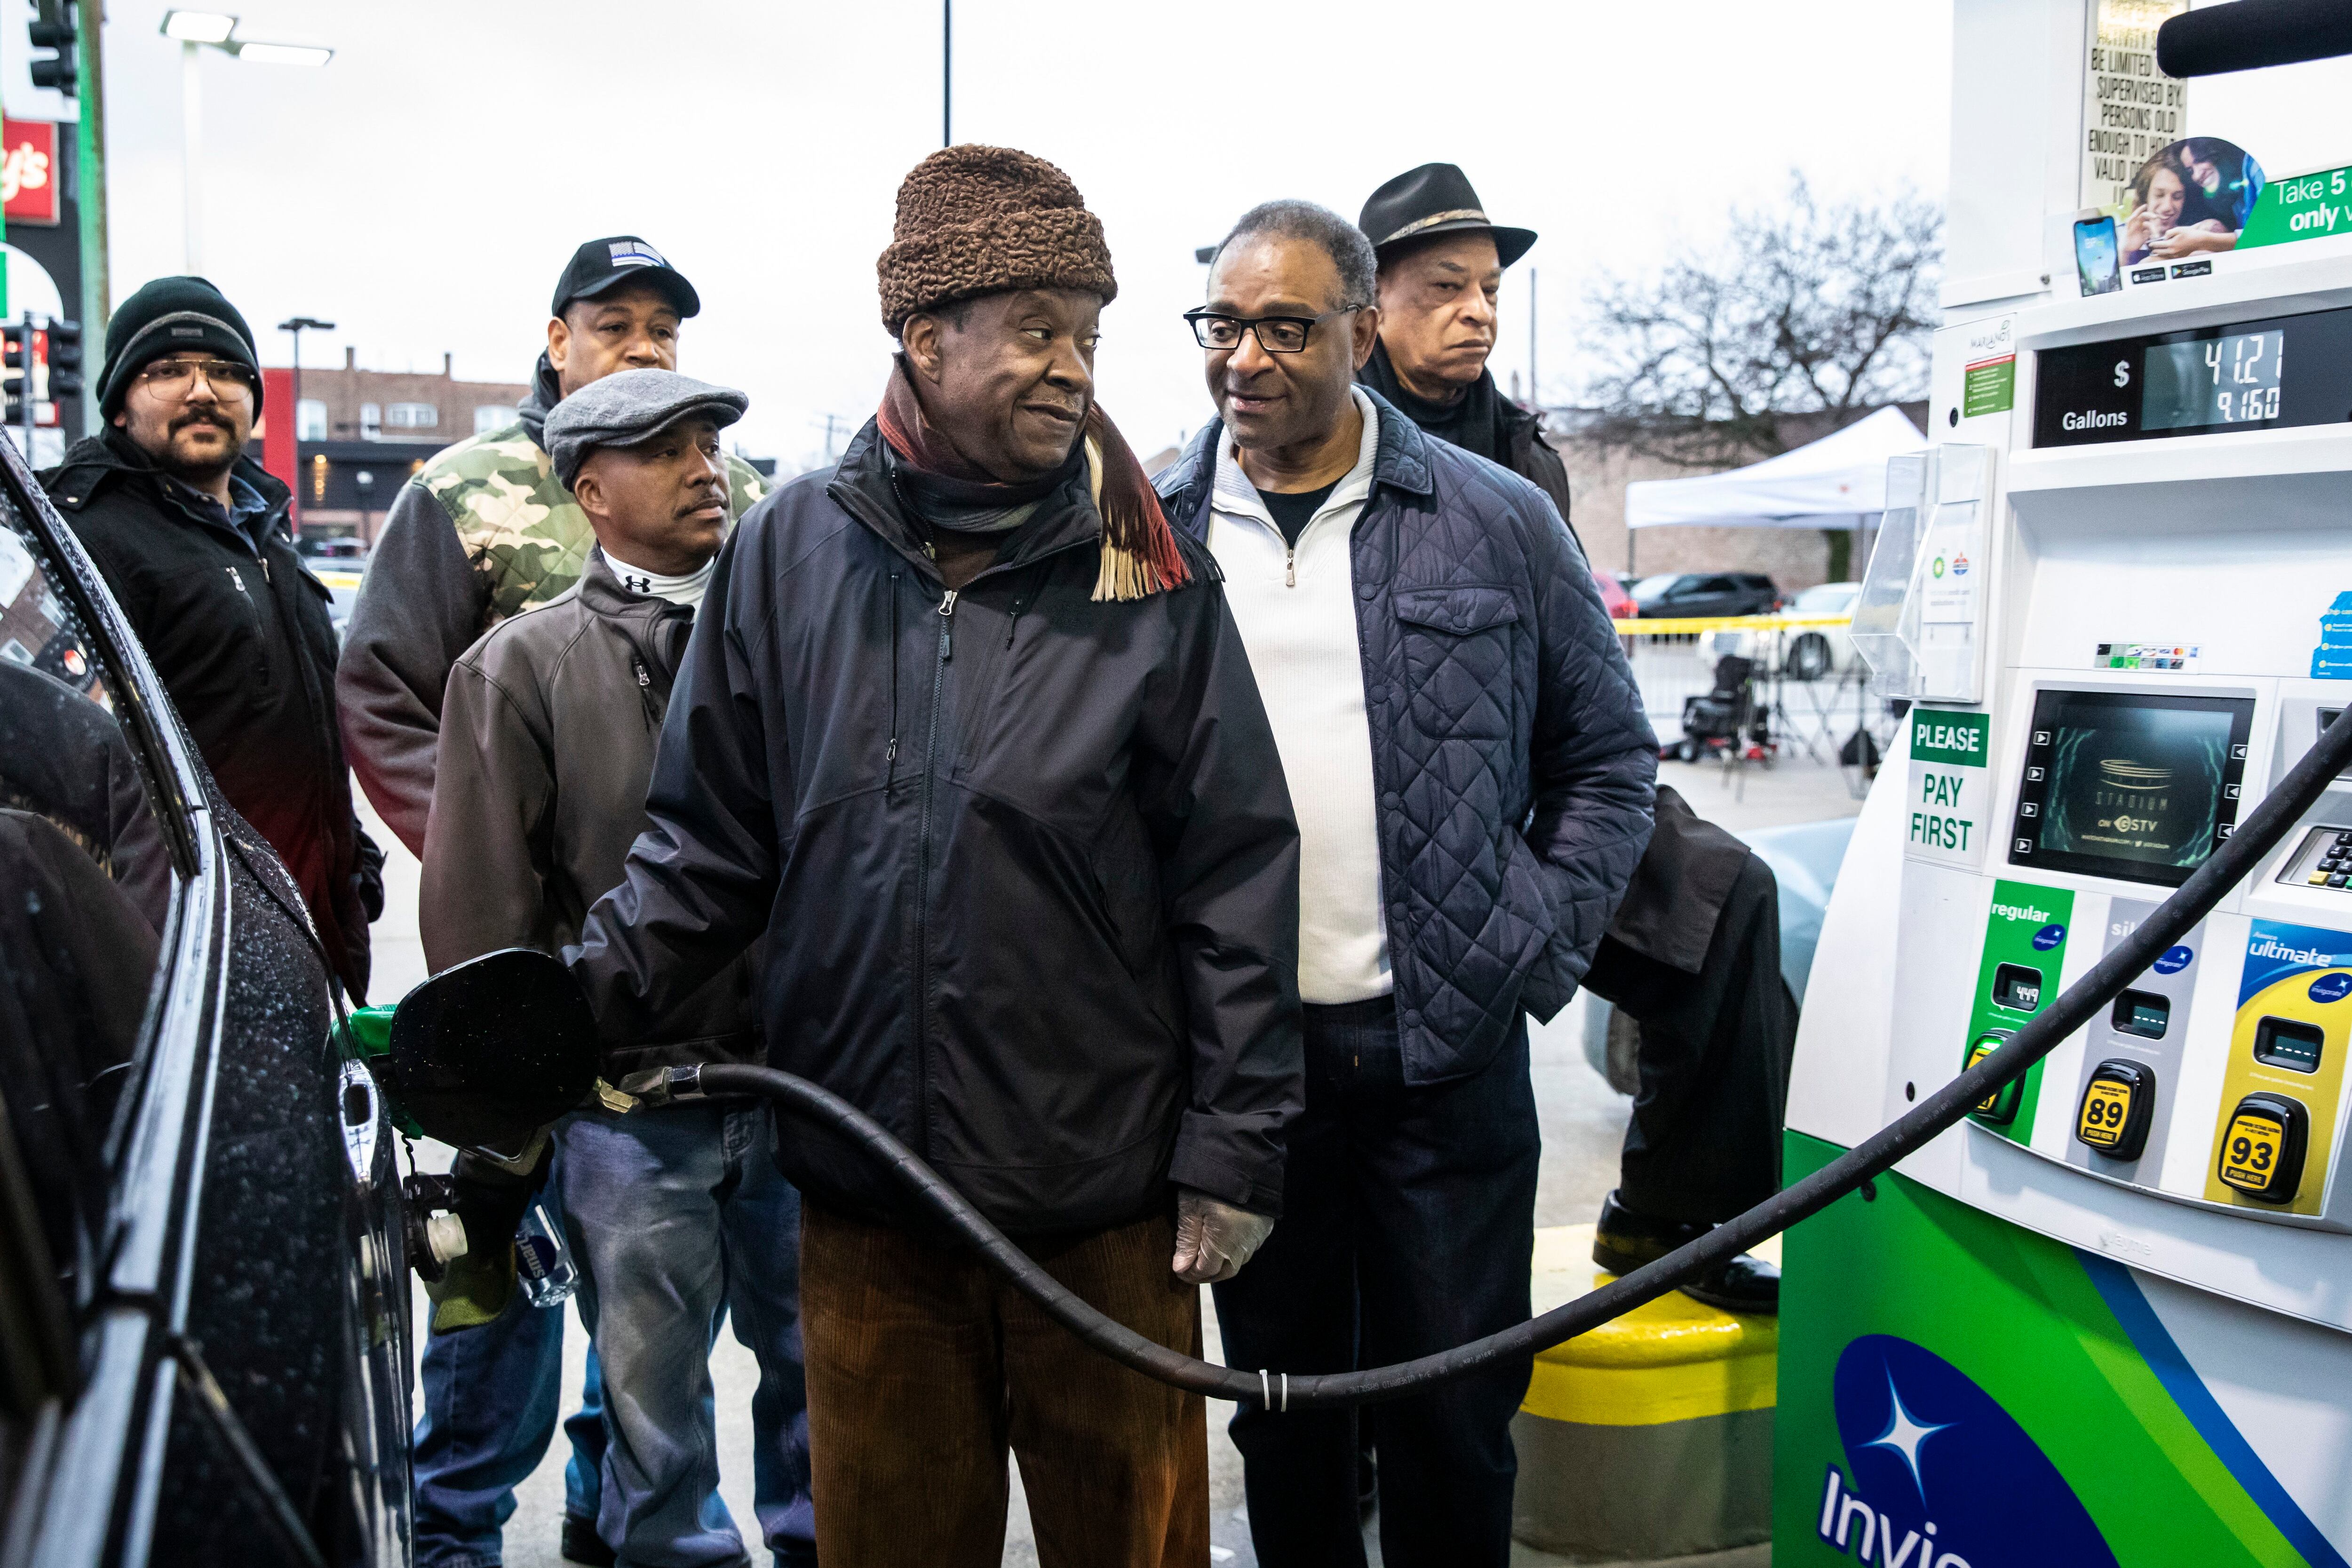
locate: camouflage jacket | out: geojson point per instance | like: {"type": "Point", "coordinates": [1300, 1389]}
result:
{"type": "Point", "coordinates": [525, 535]}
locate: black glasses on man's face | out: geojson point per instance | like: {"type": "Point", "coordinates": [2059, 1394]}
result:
{"type": "Point", "coordinates": [1276, 335]}
{"type": "Point", "coordinates": [230, 382]}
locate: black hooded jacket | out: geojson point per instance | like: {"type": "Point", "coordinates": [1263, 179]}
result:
{"type": "Point", "coordinates": [1027, 861]}
{"type": "Point", "coordinates": [241, 637]}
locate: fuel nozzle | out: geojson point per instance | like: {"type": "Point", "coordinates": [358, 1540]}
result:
{"type": "Point", "coordinates": [436, 1236]}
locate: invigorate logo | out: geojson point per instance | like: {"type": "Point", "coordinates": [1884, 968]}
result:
{"type": "Point", "coordinates": [1938, 1474]}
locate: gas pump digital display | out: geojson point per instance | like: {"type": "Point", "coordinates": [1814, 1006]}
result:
{"type": "Point", "coordinates": [2220, 381]}
{"type": "Point", "coordinates": [2266, 375]}
{"type": "Point", "coordinates": [2140, 787]}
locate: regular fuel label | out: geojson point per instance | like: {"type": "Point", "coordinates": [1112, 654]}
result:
{"type": "Point", "coordinates": [1950, 788]}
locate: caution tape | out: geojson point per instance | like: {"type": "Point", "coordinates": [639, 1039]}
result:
{"type": "Point", "coordinates": [1686, 626]}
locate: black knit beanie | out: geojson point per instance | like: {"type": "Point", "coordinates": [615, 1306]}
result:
{"type": "Point", "coordinates": [977, 220]}
{"type": "Point", "coordinates": [169, 316]}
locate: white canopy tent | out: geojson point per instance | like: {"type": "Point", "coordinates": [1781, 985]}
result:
{"type": "Point", "coordinates": [1838, 481]}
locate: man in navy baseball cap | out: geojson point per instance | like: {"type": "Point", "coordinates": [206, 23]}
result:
{"type": "Point", "coordinates": [618, 261]}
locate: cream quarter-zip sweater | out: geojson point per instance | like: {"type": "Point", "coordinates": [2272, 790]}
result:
{"type": "Point", "coordinates": [1297, 611]}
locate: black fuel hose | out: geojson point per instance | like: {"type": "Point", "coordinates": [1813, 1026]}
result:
{"type": "Point", "coordinates": [1874, 1157]}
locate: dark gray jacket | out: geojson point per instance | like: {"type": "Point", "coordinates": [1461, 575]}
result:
{"type": "Point", "coordinates": [1027, 860]}
{"type": "Point", "coordinates": [548, 731]}
{"type": "Point", "coordinates": [1513, 760]}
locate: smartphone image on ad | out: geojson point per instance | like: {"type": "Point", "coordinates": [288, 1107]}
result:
{"type": "Point", "coordinates": [2095, 256]}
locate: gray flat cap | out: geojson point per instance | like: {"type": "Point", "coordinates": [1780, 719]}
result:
{"type": "Point", "coordinates": [632, 406]}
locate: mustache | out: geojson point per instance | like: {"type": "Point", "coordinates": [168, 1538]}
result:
{"type": "Point", "coordinates": [200, 416]}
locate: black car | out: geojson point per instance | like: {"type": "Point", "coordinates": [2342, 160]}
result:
{"type": "Point", "coordinates": [205, 1341]}
{"type": "Point", "coordinates": [1685, 594]}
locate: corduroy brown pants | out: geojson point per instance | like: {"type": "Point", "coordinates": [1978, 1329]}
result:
{"type": "Point", "coordinates": [923, 1370]}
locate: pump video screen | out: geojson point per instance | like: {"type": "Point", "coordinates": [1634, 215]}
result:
{"type": "Point", "coordinates": [2138, 787]}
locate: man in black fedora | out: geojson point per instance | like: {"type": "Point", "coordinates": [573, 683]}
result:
{"type": "Point", "coordinates": [1692, 957]}
{"type": "Point", "coordinates": [1441, 273]}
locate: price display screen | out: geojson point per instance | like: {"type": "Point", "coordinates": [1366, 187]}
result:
{"type": "Point", "coordinates": [2222, 381]}
{"type": "Point", "coordinates": [2267, 374]}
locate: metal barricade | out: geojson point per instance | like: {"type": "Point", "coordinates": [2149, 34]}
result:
{"type": "Point", "coordinates": [1812, 688]}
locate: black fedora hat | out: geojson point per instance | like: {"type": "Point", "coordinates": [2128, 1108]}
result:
{"type": "Point", "coordinates": [1433, 199]}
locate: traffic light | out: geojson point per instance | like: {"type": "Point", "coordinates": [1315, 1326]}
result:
{"type": "Point", "coordinates": [16, 344]}
{"type": "Point", "coordinates": [64, 360]}
{"type": "Point", "coordinates": [55, 30]}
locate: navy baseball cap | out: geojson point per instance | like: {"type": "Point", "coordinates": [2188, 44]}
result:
{"type": "Point", "coordinates": [619, 260]}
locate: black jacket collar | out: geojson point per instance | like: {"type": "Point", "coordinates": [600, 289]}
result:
{"type": "Point", "coordinates": [862, 485]}
{"type": "Point", "coordinates": [96, 464]}
{"type": "Point", "coordinates": [1400, 458]}
{"type": "Point", "coordinates": [546, 392]}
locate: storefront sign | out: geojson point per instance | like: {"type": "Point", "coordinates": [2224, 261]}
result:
{"type": "Point", "coordinates": [30, 174]}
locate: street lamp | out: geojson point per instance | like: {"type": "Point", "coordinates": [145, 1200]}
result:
{"type": "Point", "coordinates": [196, 30]}
{"type": "Point", "coordinates": [298, 326]}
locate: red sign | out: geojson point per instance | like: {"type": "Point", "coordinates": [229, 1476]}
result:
{"type": "Point", "coordinates": [30, 174]}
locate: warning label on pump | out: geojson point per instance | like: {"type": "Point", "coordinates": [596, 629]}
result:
{"type": "Point", "coordinates": [1951, 793]}
{"type": "Point", "coordinates": [1988, 386]}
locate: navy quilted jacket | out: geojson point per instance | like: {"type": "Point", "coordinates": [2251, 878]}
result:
{"type": "Point", "coordinates": [1514, 763]}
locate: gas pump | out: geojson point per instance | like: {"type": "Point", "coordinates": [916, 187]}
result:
{"type": "Point", "coordinates": [2108, 1318]}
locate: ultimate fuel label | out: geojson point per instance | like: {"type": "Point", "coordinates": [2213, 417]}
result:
{"type": "Point", "coordinates": [1951, 789]}
{"type": "Point", "coordinates": [2280, 1090]}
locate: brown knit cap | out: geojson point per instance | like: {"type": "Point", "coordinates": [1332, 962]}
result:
{"type": "Point", "coordinates": [979, 220]}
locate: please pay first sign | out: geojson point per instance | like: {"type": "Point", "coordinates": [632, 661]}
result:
{"type": "Point", "coordinates": [1950, 799]}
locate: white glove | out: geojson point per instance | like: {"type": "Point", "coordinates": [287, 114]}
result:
{"type": "Point", "coordinates": [1213, 1240]}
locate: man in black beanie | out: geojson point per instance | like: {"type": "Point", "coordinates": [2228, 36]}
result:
{"type": "Point", "coordinates": [191, 535]}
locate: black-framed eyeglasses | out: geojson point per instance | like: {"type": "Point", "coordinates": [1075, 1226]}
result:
{"type": "Point", "coordinates": [175, 377]}
{"type": "Point", "coordinates": [1276, 335]}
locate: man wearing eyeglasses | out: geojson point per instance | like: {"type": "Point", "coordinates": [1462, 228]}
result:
{"type": "Point", "coordinates": [1472, 774]}
{"type": "Point", "coordinates": [192, 537]}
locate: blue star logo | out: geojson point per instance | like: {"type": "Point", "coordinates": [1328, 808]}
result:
{"type": "Point", "coordinates": [1906, 1434]}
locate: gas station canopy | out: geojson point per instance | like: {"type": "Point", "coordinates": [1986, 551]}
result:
{"type": "Point", "coordinates": [1838, 481]}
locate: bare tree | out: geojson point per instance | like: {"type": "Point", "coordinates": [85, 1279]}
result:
{"type": "Point", "coordinates": [1812, 309]}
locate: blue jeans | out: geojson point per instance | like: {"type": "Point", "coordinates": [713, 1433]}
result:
{"type": "Point", "coordinates": [678, 1212]}
{"type": "Point", "coordinates": [1408, 1228]}
{"type": "Point", "coordinates": [490, 1399]}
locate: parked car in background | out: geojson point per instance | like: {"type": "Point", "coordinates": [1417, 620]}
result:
{"type": "Point", "coordinates": [1614, 596]}
{"type": "Point", "coordinates": [1807, 653]}
{"type": "Point", "coordinates": [331, 547]}
{"type": "Point", "coordinates": [1692, 593]}
{"type": "Point", "coordinates": [342, 577]}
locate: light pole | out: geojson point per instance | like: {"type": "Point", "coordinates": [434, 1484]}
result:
{"type": "Point", "coordinates": [298, 326]}
{"type": "Point", "coordinates": [295, 326]}
{"type": "Point", "coordinates": [196, 30]}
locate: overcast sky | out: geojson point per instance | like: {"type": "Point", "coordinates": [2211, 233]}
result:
{"type": "Point", "coordinates": [424, 190]}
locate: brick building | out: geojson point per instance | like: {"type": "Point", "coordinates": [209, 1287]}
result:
{"type": "Point", "coordinates": [359, 434]}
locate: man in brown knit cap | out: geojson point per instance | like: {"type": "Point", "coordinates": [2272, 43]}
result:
{"type": "Point", "coordinates": [967, 730]}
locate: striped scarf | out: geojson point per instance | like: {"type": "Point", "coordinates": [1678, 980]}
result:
{"type": "Point", "coordinates": [1140, 557]}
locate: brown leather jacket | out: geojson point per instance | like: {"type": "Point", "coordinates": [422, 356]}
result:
{"type": "Point", "coordinates": [548, 731]}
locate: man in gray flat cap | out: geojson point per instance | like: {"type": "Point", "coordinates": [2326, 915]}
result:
{"type": "Point", "coordinates": [548, 731]}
